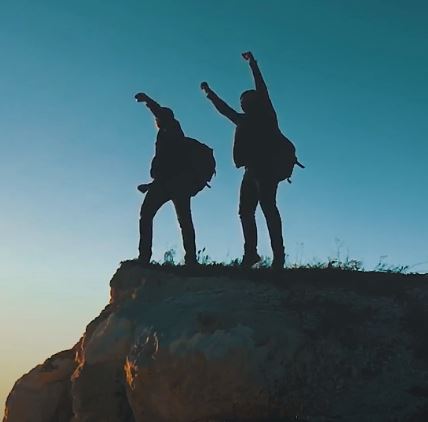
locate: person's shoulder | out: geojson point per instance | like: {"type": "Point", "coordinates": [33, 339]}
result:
{"type": "Point", "coordinates": [240, 117]}
{"type": "Point", "coordinates": [176, 125]}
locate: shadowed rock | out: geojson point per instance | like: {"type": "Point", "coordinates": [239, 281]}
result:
{"type": "Point", "coordinates": [220, 344]}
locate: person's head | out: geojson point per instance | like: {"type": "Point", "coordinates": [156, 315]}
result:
{"type": "Point", "coordinates": [165, 117]}
{"type": "Point", "coordinates": [250, 101]}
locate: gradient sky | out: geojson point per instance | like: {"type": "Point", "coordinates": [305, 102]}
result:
{"type": "Point", "coordinates": [348, 80]}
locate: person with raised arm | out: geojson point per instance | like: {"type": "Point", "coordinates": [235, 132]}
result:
{"type": "Point", "coordinates": [170, 171]}
{"type": "Point", "coordinates": [255, 144]}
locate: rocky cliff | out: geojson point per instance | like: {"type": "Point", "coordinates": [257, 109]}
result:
{"type": "Point", "coordinates": [222, 344]}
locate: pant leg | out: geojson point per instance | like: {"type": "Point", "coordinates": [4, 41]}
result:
{"type": "Point", "coordinates": [248, 200]}
{"type": "Point", "coordinates": [267, 193]}
{"type": "Point", "coordinates": [154, 199]}
{"type": "Point", "coordinates": [184, 216]}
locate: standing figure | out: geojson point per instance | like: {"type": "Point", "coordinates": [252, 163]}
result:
{"type": "Point", "coordinates": [257, 136]}
{"type": "Point", "coordinates": [172, 182]}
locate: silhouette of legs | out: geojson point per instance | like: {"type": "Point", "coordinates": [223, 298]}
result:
{"type": "Point", "coordinates": [260, 189]}
{"type": "Point", "coordinates": [154, 199]}
{"type": "Point", "coordinates": [248, 200]}
{"type": "Point", "coordinates": [267, 197]}
{"type": "Point", "coordinates": [184, 216]}
{"type": "Point", "coordinates": [156, 196]}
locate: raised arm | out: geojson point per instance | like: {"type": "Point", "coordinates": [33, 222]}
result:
{"type": "Point", "coordinates": [259, 82]}
{"type": "Point", "coordinates": [151, 104]}
{"type": "Point", "coordinates": [221, 106]}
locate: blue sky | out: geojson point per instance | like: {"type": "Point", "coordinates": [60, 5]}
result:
{"type": "Point", "coordinates": [348, 80]}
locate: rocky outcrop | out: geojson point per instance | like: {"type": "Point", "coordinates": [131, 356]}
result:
{"type": "Point", "coordinates": [221, 344]}
{"type": "Point", "coordinates": [44, 393]}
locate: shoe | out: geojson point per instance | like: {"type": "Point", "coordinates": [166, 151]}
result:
{"type": "Point", "coordinates": [278, 263]}
{"type": "Point", "coordinates": [191, 262]}
{"type": "Point", "coordinates": [248, 260]}
{"type": "Point", "coordinates": [143, 261]}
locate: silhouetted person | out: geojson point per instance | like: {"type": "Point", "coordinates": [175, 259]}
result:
{"type": "Point", "coordinates": [171, 182]}
{"type": "Point", "coordinates": [256, 136]}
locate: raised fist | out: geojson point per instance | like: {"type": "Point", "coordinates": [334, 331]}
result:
{"type": "Point", "coordinates": [248, 55]}
{"type": "Point", "coordinates": [205, 87]}
{"type": "Point", "coordinates": [141, 97]}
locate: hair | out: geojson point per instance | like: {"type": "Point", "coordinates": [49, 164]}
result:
{"type": "Point", "coordinates": [164, 117]}
{"type": "Point", "coordinates": [249, 93]}
{"type": "Point", "coordinates": [250, 100]}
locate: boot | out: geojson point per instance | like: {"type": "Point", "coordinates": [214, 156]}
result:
{"type": "Point", "coordinates": [190, 260]}
{"type": "Point", "coordinates": [250, 259]}
{"type": "Point", "coordinates": [278, 261]}
{"type": "Point", "coordinates": [143, 260]}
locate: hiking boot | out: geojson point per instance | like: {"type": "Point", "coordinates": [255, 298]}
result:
{"type": "Point", "coordinates": [278, 262]}
{"type": "Point", "coordinates": [190, 261]}
{"type": "Point", "coordinates": [143, 261]}
{"type": "Point", "coordinates": [192, 264]}
{"type": "Point", "coordinates": [248, 260]}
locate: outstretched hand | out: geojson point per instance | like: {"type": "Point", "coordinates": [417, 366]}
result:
{"type": "Point", "coordinates": [141, 97]}
{"type": "Point", "coordinates": [205, 87]}
{"type": "Point", "coordinates": [248, 55]}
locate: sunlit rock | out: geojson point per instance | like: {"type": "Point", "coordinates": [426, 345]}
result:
{"type": "Point", "coordinates": [44, 393]}
{"type": "Point", "coordinates": [222, 344]}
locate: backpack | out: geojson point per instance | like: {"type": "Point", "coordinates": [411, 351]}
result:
{"type": "Point", "coordinates": [201, 164]}
{"type": "Point", "coordinates": [285, 159]}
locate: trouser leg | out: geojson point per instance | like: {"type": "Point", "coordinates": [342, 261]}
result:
{"type": "Point", "coordinates": [267, 194]}
{"type": "Point", "coordinates": [154, 199]}
{"type": "Point", "coordinates": [184, 216]}
{"type": "Point", "coordinates": [248, 199]}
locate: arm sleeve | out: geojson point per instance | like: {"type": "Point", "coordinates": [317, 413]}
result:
{"type": "Point", "coordinates": [153, 106]}
{"type": "Point", "coordinates": [223, 108]}
{"type": "Point", "coordinates": [261, 87]}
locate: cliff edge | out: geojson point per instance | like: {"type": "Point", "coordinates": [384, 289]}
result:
{"type": "Point", "coordinates": [223, 344]}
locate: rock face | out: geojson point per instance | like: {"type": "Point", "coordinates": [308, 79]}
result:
{"type": "Point", "coordinates": [220, 344]}
{"type": "Point", "coordinates": [44, 393]}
